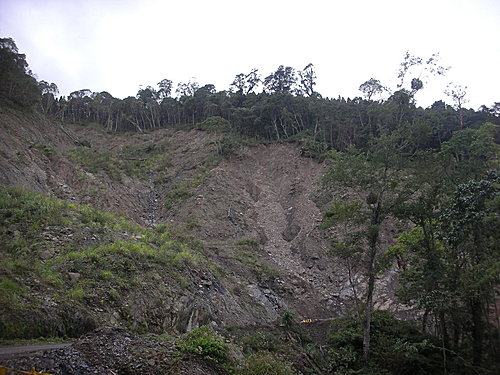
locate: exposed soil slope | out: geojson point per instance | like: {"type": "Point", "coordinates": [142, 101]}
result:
{"type": "Point", "coordinates": [266, 194]}
{"type": "Point", "coordinates": [252, 218]}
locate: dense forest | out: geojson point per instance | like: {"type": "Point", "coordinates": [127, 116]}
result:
{"type": "Point", "coordinates": [434, 169]}
{"type": "Point", "coordinates": [287, 107]}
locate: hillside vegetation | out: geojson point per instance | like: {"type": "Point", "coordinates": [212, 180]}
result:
{"type": "Point", "coordinates": [270, 233]}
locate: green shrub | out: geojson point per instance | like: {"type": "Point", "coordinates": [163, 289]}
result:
{"type": "Point", "coordinates": [228, 145]}
{"type": "Point", "coordinates": [264, 363]}
{"type": "Point", "coordinates": [396, 347]}
{"type": "Point", "coordinates": [28, 210]}
{"type": "Point", "coordinates": [94, 161]}
{"type": "Point", "coordinates": [342, 360]}
{"type": "Point", "coordinates": [313, 149]}
{"type": "Point", "coordinates": [205, 342]}
{"type": "Point", "coordinates": [44, 149]}
{"type": "Point", "coordinates": [9, 292]}
{"type": "Point", "coordinates": [259, 341]}
{"type": "Point", "coordinates": [215, 123]}
{"type": "Point", "coordinates": [77, 293]}
{"type": "Point", "coordinates": [287, 318]}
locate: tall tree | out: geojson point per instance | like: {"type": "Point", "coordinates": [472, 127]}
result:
{"type": "Point", "coordinates": [17, 83]}
{"type": "Point", "coordinates": [417, 71]}
{"type": "Point", "coordinates": [150, 101]}
{"type": "Point", "coordinates": [371, 87]}
{"type": "Point", "coordinates": [378, 184]}
{"type": "Point", "coordinates": [48, 92]}
{"type": "Point", "coordinates": [469, 227]}
{"type": "Point", "coordinates": [79, 104]}
{"type": "Point", "coordinates": [252, 80]}
{"type": "Point", "coordinates": [102, 104]}
{"type": "Point", "coordinates": [458, 94]}
{"type": "Point", "coordinates": [238, 85]}
{"type": "Point", "coordinates": [452, 262]}
{"type": "Point", "coordinates": [165, 88]}
{"type": "Point", "coordinates": [307, 80]}
{"type": "Point", "coordinates": [470, 152]}
{"type": "Point", "coordinates": [282, 81]}
{"type": "Point", "coordinates": [244, 84]}
{"type": "Point", "coordinates": [187, 89]}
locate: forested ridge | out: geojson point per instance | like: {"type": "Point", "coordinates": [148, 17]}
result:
{"type": "Point", "coordinates": [287, 106]}
{"type": "Point", "coordinates": [431, 173]}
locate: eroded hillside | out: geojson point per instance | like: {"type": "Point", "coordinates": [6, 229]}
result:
{"type": "Point", "coordinates": [247, 224]}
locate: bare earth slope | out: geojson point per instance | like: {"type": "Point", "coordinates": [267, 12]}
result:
{"type": "Point", "coordinates": [266, 193]}
{"type": "Point", "coordinates": [253, 215]}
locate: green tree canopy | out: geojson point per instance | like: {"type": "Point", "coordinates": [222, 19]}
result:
{"type": "Point", "coordinates": [17, 83]}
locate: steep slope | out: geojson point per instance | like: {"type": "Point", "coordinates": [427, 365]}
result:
{"type": "Point", "coordinates": [249, 221]}
{"type": "Point", "coordinates": [265, 195]}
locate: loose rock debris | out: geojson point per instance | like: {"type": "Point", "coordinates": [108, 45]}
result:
{"type": "Point", "coordinates": [115, 351]}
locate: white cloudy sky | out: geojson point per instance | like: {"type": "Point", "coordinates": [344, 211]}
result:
{"type": "Point", "coordinates": [118, 45]}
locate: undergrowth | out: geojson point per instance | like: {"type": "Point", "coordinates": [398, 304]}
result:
{"type": "Point", "coordinates": [183, 190]}
{"type": "Point", "coordinates": [136, 160]}
{"type": "Point", "coordinates": [252, 261]}
{"type": "Point", "coordinates": [74, 254]}
{"type": "Point", "coordinates": [205, 342]}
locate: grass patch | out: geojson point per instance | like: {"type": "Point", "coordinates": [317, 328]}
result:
{"type": "Point", "coordinates": [178, 194]}
{"type": "Point", "coordinates": [132, 250]}
{"type": "Point", "coordinates": [186, 189]}
{"type": "Point", "coordinates": [127, 260]}
{"type": "Point", "coordinates": [77, 293]}
{"type": "Point", "coordinates": [205, 342]}
{"type": "Point", "coordinates": [28, 211]}
{"type": "Point", "coordinates": [135, 160]}
{"type": "Point", "coordinates": [264, 363]}
{"type": "Point", "coordinates": [121, 265]}
{"type": "Point", "coordinates": [50, 277]}
{"type": "Point", "coordinates": [9, 292]}
{"type": "Point", "coordinates": [106, 275]}
{"type": "Point", "coordinates": [95, 161]}
{"type": "Point", "coordinates": [44, 149]}
{"type": "Point", "coordinates": [165, 337]}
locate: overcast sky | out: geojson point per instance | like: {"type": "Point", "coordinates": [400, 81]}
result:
{"type": "Point", "coordinates": [118, 45]}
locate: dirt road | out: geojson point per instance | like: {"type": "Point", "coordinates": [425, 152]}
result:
{"type": "Point", "coordinates": [7, 352]}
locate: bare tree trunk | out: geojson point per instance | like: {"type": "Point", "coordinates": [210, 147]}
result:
{"type": "Point", "coordinates": [283, 127]}
{"type": "Point", "coordinates": [276, 128]}
{"type": "Point", "coordinates": [351, 282]}
{"type": "Point", "coordinates": [373, 237]}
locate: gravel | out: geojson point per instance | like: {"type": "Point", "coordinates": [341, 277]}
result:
{"type": "Point", "coordinates": [115, 351]}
